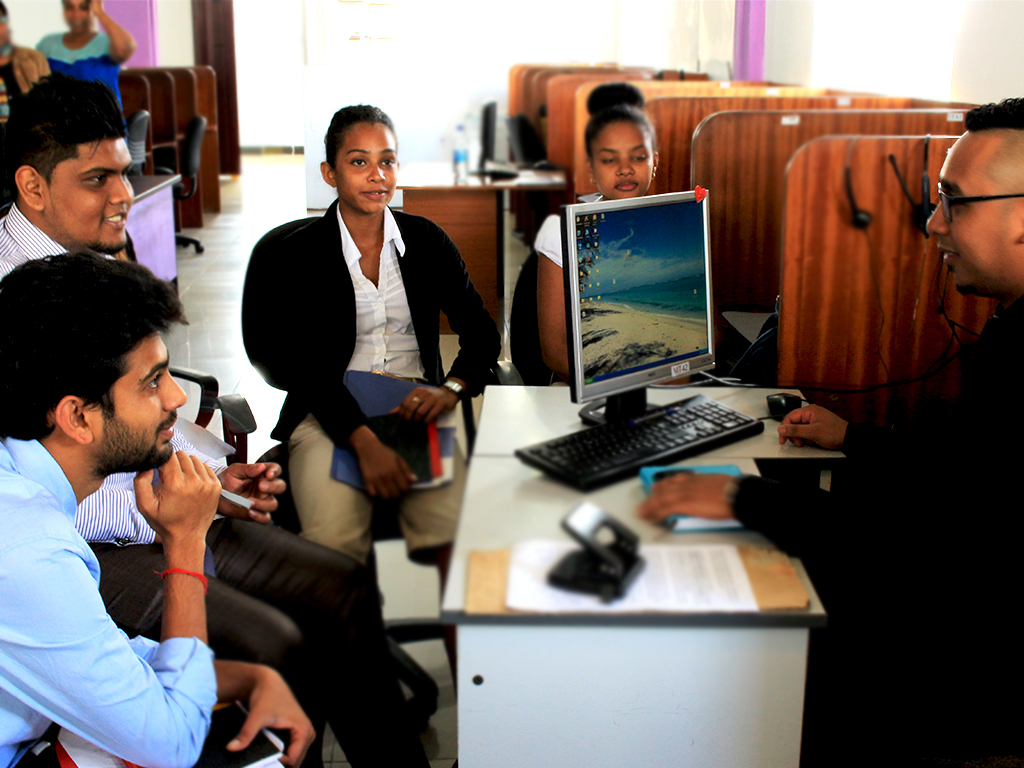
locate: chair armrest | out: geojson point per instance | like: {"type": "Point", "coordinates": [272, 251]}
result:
{"type": "Point", "coordinates": [210, 389]}
{"type": "Point", "coordinates": [239, 423]}
{"type": "Point", "coordinates": [237, 414]}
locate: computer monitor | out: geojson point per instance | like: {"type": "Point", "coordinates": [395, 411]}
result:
{"type": "Point", "coordinates": [488, 133]}
{"type": "Point", "coordinates": [637, 298]}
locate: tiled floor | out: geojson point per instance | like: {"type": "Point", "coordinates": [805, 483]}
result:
{"type": "Point", "coordinates": [270, 192]}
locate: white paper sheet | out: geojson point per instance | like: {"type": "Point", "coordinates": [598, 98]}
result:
{"type": "Point", "coordinates": [677, 578]}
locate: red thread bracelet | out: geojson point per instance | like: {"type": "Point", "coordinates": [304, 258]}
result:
{"type": "Point", "coordinates": [201, 577]}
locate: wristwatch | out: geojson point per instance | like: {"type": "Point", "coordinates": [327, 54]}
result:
{"type": "Point", "coordinates": [453, 386]}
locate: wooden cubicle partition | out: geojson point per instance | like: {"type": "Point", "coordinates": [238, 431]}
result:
{"type": "Point", "coordinates": [206, 104]}
{"type": "Point", "coordinates": [859, 306]}
{"type": "Point", "coordinates": [162, 112]}
{"type": "Point", "coordinates": [741, 158]}
{"type": "Point", "coordinates": [190, 210]}
{"type": "Point", "coordinates": [535, 92]}
{"type": "Point", "coordinates": [580, 174]}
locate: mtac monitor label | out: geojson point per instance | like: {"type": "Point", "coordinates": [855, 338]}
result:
{"type": "Point", "coordinates": [680, 369]}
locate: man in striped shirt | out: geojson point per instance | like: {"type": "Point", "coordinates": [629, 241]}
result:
{"type": "Point", "coordinates": [277, 599]}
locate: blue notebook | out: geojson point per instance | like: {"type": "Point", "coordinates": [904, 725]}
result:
{"type": "Point", "coordinates": [377, 395]}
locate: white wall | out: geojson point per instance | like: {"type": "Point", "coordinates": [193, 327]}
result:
{"type": "Point", "coordinates": [988, 60]}
{"type": "Point", "coordinates": [961, 50]}
{"type": "Point", "coordinates": [269, 83]}
{"type": "Point", "coordinates": [449, 57]}
{"type": "Point", "coordinates": [788, 32]}
{"type": "Point", "coordinates": [174, 33]}
{"type": "Point", "coordinates": [32, 19]}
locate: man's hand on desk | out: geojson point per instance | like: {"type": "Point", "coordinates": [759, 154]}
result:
{"type": "Point", "coordinates": [385, 473]}
{"type": "Point", "coordinates": [260, 483]}
{"type": "Point", "coordinates": [708, 496]}
{"type": "Point", "coordinates": [813, 425]}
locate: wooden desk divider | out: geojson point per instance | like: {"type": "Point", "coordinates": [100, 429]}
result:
{"type": "Point", "coordinates": [206, 105]}
{"type": "Point", "coordinates": [859, 307]}
{"type": "Point", "coordinates": [741, 158]}
{"type": "Point", "coordinates": [163, 119]}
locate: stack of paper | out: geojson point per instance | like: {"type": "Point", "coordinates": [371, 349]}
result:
{"type": "Point", "coordinates": [676, 579]}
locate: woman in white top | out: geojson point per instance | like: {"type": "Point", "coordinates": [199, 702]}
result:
{"type": "Point", "coordinates": [622, 157]}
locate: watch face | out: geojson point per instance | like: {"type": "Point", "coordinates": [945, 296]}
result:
{"type": "Point", "coordinates": [454, 387]}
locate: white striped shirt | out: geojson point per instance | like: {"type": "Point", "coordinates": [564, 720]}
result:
{"type": "Point", "coordinates": [110, 514]}
{"type": "Point", "coordinates": [22, 241]}
{"type": "Point", "coordinates": [385, 337]}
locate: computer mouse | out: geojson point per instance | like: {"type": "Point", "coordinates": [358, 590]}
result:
{"type": "Point", "coordinates": [544, 165]}
{"type": "Point", "coordinates": [781, 403]}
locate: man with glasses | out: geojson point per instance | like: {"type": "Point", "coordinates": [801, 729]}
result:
{"type": "Point", "coordinates": [916, 558]}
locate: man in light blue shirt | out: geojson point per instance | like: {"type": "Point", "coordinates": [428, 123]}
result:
{"type": "Point", "coordinates": [83, 376]}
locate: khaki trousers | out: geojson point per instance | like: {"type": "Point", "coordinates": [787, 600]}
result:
{"type": "Point", "coordinates": [336, 515]}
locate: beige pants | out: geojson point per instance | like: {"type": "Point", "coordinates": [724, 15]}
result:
{"type": "Point", "coordinates": [337, 515]}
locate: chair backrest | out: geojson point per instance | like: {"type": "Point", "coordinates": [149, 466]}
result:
{"type": "Point", "coordinates": [138, 128]}
{"type": "Point", "coordinates": [523, 333]}
{"type": "Point", "coordinates": [192, 147]}
{"type": "Point", "coordinates": [260, 298]}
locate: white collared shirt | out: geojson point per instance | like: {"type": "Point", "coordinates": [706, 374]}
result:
{"type": "Point", "coordinates": [385, 337]}
{"type": "Point", "coordinates": [21, 241]}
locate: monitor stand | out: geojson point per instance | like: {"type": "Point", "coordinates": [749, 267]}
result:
{"type": "Point", "coordinates": [628, 405]}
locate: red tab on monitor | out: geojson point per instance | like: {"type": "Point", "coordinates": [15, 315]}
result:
{"type": "Point", "coordinates": [700, 193]}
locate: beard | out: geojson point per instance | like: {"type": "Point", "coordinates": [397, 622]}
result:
{"type": "Point", "coordinates": [106, 248]}
{"type": "Point", "coordinates": [126, 451]}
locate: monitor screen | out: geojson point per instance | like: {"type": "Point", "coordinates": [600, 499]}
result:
{"type": "Point", "coordinates": [638, 303]}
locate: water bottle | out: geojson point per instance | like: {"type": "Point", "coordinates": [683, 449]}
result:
{"type": "Point", "coordinates": [461, 156]}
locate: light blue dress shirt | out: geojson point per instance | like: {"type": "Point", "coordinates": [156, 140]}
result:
{"type": "Point", "coordinates": [62, 659]}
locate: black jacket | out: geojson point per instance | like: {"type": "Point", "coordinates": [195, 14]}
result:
{"type": "Point", "coordinates": [917, 558]}
{"type": "Point", "coordinates": [298, 273]}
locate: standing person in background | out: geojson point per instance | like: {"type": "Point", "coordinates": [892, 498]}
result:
{"type": "Point", "coordinates": [84, 53]}
{"type": "Point", "coordinates": [20, 68]}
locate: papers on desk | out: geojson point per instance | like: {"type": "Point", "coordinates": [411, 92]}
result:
{"type": "Point", "coordinates": [677, 579]}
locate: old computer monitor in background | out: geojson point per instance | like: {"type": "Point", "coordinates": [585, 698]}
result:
{"type": "Point", "coordinates": [637, 298]}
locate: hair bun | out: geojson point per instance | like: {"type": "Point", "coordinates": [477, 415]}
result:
{"type": "Point", "coordinates": [609, 95]}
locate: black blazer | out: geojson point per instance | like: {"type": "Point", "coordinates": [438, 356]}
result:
{"type": "Point", "coordinates": [298, 273]}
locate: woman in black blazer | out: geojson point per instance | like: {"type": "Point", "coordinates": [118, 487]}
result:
{"type": "Point", "coordinates": [363, 288]}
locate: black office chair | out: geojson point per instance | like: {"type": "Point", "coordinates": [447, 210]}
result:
{"type": "Point", "coordinates": [138, 129]}
{"type": "Point", "coordinates": [188, 167]}
{"type": "Point", "coordinates": [237, 419]}
{"type": "Point", "coordinates": [523, 333]}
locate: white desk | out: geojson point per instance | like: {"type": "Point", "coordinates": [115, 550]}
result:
{"type": "Point", "coordinates": [696, 689]}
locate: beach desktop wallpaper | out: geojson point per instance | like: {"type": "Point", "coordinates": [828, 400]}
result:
{"type": "Point", "coordinates": [643, 289]}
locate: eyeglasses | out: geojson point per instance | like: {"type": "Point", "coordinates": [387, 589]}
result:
{"type": "Point", "coordinates": [948, 201]}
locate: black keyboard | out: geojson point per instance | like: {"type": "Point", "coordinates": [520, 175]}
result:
{"type": "Point", "coordinates": [603, 454]}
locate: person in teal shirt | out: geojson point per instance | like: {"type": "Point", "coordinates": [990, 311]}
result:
{"type": "Point", "coordinates": [83, 52]}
